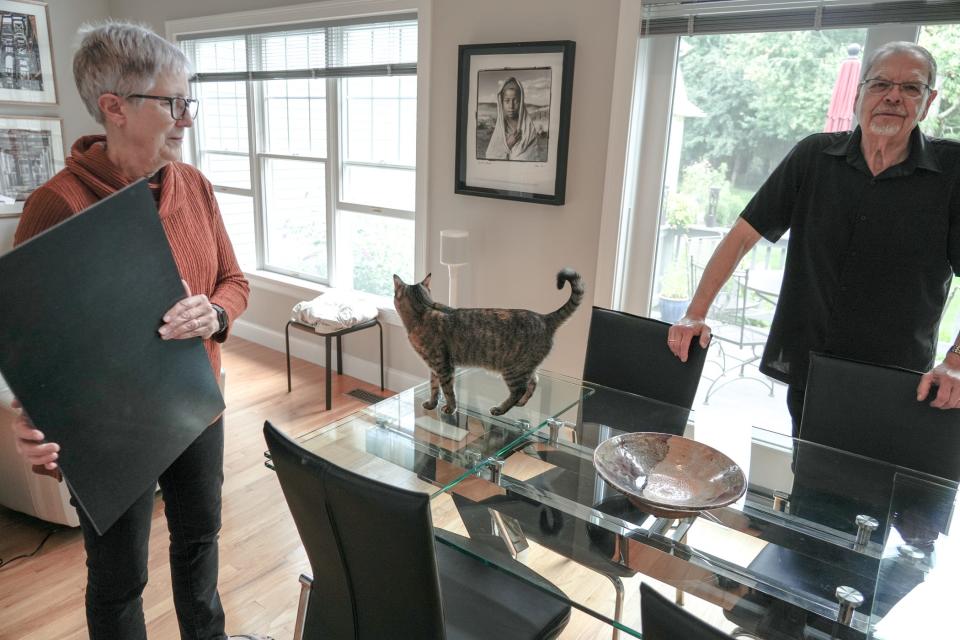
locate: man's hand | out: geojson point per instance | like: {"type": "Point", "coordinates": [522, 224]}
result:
{"type": "Point", "coordinates": [946, 376]}
{"type": "Point", "coordinates": [682, 334]}
{"type": "Point", "coordinates": [30, 442]}
{"type": "Point", "coordinates": [192, 317]}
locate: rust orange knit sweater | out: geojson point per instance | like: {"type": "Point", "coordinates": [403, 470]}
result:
{"type": "Point", "coordinates": [188, 211]}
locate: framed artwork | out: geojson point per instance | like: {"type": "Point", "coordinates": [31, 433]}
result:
{"type": "Point", "coordinates": [31, 151]}
{"type": "Point", "coordinates": [26, 61]}
{"type": "Point", "coordinates": [513, 120]}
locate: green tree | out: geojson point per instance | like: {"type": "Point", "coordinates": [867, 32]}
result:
{"type": "Point", "coordinates": [943, 41]}
{"type": "Point", "coordinates": [761, 93]}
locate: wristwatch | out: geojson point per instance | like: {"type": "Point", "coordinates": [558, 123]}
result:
{"type": "Point", "coordinates": [955, 349]}
{"type": "Point", "coordinates": [221, 319]}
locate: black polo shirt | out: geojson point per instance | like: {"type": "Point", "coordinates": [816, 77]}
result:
{"type": "Point", "coordinates": [870, 258]}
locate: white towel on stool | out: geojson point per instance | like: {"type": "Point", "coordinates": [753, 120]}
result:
{"type": "Point", "coordinates": [334, 310]}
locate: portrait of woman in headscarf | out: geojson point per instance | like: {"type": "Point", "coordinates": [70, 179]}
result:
{"type": "Point", "coordinates": [515, 137]}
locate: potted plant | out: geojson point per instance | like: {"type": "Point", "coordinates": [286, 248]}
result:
{"type": "Point", "coordinates": [674, 292]}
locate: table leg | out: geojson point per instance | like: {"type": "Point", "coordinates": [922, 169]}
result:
{"type": "Point", "coordinates": [287, 334]}
{"type": "Point", "coordinates": [329, 384]}
{"type": "Point", "coordinates": [339, 356]}
{"type": "Point", "coordinates": [380, 326]}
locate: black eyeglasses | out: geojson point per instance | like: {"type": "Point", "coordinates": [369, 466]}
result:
{"type": "Point", "coordinates": [178, 106]}
{"type": "Point", "coordinates": [878, 86]}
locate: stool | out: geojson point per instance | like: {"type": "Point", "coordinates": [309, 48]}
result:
{"type": "Point", "coordinates": [327, 336]}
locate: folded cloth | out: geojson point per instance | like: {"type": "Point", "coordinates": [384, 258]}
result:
{"type": "Point", "coordinates": [334, 310]}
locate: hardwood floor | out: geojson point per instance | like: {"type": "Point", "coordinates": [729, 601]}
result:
{"type": "Point", "coordinates": [260, 555]}
{"type": "Point", "coordinates": [41, 597]}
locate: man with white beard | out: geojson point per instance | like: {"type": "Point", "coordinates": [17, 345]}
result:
{"type": "Point", "coordinates": [874, 220]}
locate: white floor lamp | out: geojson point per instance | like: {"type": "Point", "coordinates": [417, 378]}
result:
{"type": "Point", "coordinates": [453, 253]}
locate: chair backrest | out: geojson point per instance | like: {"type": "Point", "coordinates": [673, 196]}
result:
{"type": "Point", "coordinates": [630, 353]}
{"type": "Point", "coordinates": [872, 410]}
{"type": "Point", "coordinates": [370, 547]}
{"type": "Point", "coordinates": [660, 619]}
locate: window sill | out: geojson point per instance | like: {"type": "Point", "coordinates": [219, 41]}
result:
{"type": "Point", "coordinates": [305, 290]}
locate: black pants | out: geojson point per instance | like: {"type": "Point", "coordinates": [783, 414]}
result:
{"type": "Point", "coordinates": [117, 560]}
{"type": "Point", "coordinates": [795, 406]}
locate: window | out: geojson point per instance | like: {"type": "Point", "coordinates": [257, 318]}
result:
{"type": "Point", "coordinates": [309, 137]}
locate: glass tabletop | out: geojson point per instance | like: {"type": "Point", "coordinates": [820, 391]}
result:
{"type": "Point", "coordinates": [523, 485]}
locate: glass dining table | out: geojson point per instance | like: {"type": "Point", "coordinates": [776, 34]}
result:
{"type": "Point", "coordinates": [823, 543]}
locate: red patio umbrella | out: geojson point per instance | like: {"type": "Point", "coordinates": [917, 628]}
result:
{"type": "Point", "coordinates": [840, 111]}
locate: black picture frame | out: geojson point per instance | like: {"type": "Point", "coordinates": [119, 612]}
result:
{"type": "Point", "coordinates": [522, 156]}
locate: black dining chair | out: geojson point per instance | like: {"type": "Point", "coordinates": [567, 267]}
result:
{"type": "Point", "coordinates": [379, 572]}
{"type": "Point", "coordinates": [661, 619]}
{"type": "Point", "coordinates": [872, 410]}
{"type": "Point", "coordinates": [630, 353]}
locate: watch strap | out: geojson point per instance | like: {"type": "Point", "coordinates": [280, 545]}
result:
{"type": "Point", "coordinates": [221, 318]}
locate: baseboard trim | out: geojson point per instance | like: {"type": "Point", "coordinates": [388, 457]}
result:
{"type": "Point", "coordinates": [312, 350]}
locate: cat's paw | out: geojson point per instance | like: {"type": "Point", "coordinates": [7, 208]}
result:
{"type": "Point", "coordinates": [449, 408]}
{"type": "Point", "coordinates": [496, 411]}
{"type": "Point", "coordinates": [429, 404]}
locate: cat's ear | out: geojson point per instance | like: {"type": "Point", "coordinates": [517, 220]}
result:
{"type": "Point", "coordinates": [397, 283]}
{"type": "Point", "coordinates": [426, 281]}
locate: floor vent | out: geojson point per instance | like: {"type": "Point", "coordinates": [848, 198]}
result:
{"type": "Point", "coordinates": [364, 395]}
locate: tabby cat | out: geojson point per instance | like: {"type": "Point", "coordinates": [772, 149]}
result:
{"type": "Point", "coordinates": [512, 342]}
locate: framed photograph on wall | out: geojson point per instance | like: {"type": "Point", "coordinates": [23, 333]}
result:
{"type": "Point", "coordinates": [26, 60]}
{"type": "Point", "coordinates": [31, 152]}
{"type": "Point", "coordinates": [513, 120]}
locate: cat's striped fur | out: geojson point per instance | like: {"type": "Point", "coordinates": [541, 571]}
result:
{"type": "Point", "coordinates": [512, 342]}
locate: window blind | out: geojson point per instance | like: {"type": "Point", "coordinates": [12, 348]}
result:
{"type": "Point", "coordinates": [319, 50]}
{"type": "Point", "coordinates": [699, 17]}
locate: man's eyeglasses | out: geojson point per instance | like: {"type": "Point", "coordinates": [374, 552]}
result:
{"type": "Point", "coordinates": [178, 106]}
{"type": "Point", "coordinates": [881, 87]}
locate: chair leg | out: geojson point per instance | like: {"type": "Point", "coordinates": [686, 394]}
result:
{"type": "Point", "coordinates": [305, 583]}
{"type": "Point", "coordinates": [618, 603]}
{"type": "Point", "coordinates": [677, 593]}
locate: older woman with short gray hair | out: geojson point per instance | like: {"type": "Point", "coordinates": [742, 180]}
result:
{"type": "Point", "coordinates": [135, 84]}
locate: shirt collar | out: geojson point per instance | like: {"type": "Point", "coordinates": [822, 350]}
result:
{"type": "Point", "coordinates": [921, 155]}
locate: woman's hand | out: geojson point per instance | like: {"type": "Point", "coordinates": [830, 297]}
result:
{"type": "Point", "coordinates": [30, 442]}
{"type": "Point", "coordinates": [192, 317]}
{"type": "Point", "coordinates": [682, 334]}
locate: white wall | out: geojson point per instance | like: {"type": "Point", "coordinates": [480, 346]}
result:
{"type": "Point", "coordinates": [517, 248]}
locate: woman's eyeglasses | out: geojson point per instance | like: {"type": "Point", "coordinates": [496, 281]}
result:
{"type": "Point", "coordinates": [179, 107]}
{"type": "Point", "coordinates": [879, 87]}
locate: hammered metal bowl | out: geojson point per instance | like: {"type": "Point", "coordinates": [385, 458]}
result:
{"type": "Point", "coordinates": [667, 475]}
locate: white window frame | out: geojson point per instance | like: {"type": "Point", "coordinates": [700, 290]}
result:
{"type": "Point", "coordinates": [329, 10]}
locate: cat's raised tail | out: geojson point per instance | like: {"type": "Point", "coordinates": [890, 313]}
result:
{"type": "Point", "coordinates": [558, 317]}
